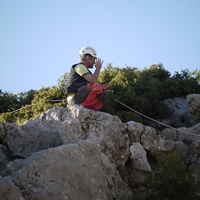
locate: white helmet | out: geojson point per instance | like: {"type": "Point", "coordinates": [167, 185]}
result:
{"type": "Point", "coordinates": [87, 50]}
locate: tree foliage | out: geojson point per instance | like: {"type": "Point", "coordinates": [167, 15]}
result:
{"type": "Point", "coordinates": [172, 181]}
{"type": "Point", "coordinates": [40, 101]}
{"type": "Point", "coordinates": [145, 90]}
{"type": "Point", "coordinates": [142, 90]}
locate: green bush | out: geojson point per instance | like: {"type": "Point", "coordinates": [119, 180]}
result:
{"type": "Point", "coordinates": [143, 91]}
{"type": "Point", "coordinates": [172, 182]}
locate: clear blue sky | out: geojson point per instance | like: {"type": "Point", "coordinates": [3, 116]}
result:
{"type": "Point", "coordinates": [40, 39]}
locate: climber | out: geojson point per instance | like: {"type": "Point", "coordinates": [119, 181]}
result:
{"type": "Point", "coordinates": [82, 85]}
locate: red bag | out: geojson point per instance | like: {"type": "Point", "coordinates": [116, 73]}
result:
{"type": "Point", "coordinates": [92, 102]}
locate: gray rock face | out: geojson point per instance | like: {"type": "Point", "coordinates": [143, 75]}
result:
{"type": "Point", "coordinates": [193, 102]}
{"type": "Point", "coordinates": [2, 131]}
{"type": "Point", "coordinates": [182, 111]}
{"type": "Point", "coordinates": [76, 153]}
{"type": "Point", "coordinates": [73, 171]}
{"type": "Point", "coordinates": [8, 190]}
{"type": "Point", "coordinates": [30, 138]}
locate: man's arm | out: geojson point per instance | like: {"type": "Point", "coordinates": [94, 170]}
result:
{"type": "Point", "coordinates": [92, 78]}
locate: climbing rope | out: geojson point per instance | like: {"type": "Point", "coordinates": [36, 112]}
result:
{"type": "Point", "coordinates": [156, 120]}
{"type": "Point", "coordinates": [35, 104]}
{"type": "Point", "coordinates": [129, 109]}
{"type": "Point", "coordinates": [23, 107]}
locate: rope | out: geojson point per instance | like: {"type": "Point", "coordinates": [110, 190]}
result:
{"type": "Point", "coordinates": [22, 108]}
{"type": "Point", "coordinates": [58, 100]}
{"type": "Point", "coordinates": [156, 120]}
{"type": "Point", "coordinates": [35, 104]}
{"type": "Point", "coordinates": [129, 109]}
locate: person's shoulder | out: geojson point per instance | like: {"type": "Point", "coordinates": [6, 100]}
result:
{"type": "Point", "coordinates": [80, 65]}
{"type": "Point", "coordinates": [81, 69]}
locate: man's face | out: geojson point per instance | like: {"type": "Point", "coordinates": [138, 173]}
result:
{"type": "Point", "coordinates": [91, 61]}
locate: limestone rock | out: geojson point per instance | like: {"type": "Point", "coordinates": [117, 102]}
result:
{"type": "Point", "coordinates": [76, 153]}
{"type": "Point", "coordinates": [139, 157]}
{"type": "Point", "coordinates": [73, 171]}
{"type": "Point", "coordinates": [169, 134]}
{"type": "Point", "coordinates": [2, 131]}
{"type": "Point", "coordinates": [25, 140]}
{"type": "Point", "coordinates": [8, 190]}
{"type": "Point", "coordinates": [195, 168]}
{"type": "Point", "coordinates": [193, 102]}
{"type": "Point", "coordinates": [3, 158]}
{"type": "Point", "coordinates": [190, 134]}
{"type": "Point", "coordinates": [149, 139]}
{"type": "Point", "coordinates": [135, 130]}
{"type": "Point", "coordinates": [180, 115]}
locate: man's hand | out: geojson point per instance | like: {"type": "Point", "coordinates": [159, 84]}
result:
{"type": "Point", "coordinates": [98, 63]}
{"type": "Point", "coordinates": [105, 85]}
{"type": "Point", "coordinates": [92, 78]}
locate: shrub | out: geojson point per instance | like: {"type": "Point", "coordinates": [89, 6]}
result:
{"type": "Point", "coordinates": [172, 182]}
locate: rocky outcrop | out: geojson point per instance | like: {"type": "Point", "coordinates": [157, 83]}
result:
{"type": "Point", "coordinates": [193, 102]}
{"type": "Point", "coordinates": [185, 111]}
{"type": "Point", "coordinates": [76, 153]}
